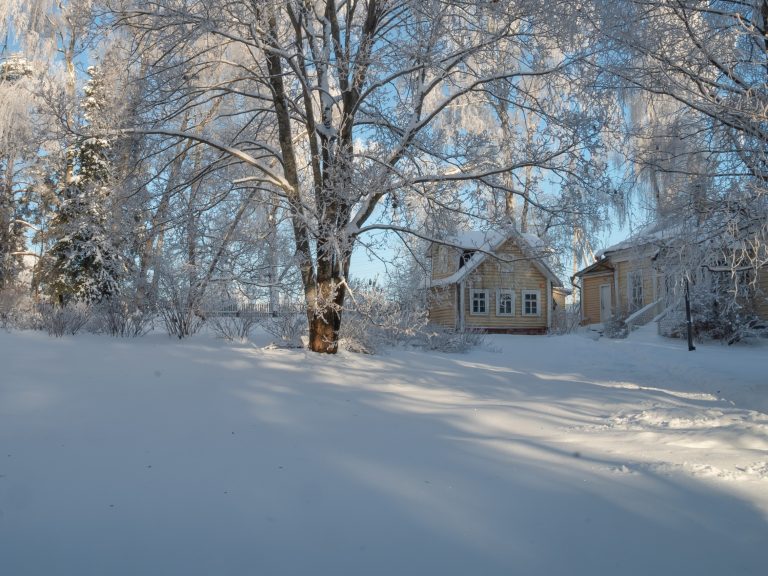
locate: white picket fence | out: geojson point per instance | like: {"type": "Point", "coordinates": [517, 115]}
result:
{"type": "Point", "coordinates": [253, 309]}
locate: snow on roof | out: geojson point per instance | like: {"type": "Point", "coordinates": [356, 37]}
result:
{"type": "Point", "coordinates": [478, 239]}
{"type": "Point", "coordinates": [533, 240]}
{"type": "Point", "coordinates": [653, 233]}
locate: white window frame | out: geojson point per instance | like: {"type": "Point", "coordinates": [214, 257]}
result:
{"type": "Point", "coordinates": [537, 294]}
{"type": "Point", "coordinates": [486, 297]}
{"type": "Point", "coordinates": [504, 292]}
{"type": "Point", "coordinates": [631, 275]}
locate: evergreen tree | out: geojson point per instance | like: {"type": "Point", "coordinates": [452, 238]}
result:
{"type": "Point", "coordinates": [84, 262]}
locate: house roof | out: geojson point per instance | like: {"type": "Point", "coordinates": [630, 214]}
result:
{"type": "Point", "coordinates": [655, 233]}
{"type": "Point", "coordinates": [602, 264]}
{"type": "Point", "coordinates": [651, 235]}
{"type": "Point", "coordinates": [485, 244]}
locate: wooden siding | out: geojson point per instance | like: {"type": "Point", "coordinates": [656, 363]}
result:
{"type": "Point", "coordinates": [590, 291]}
{"type": "Point", "coordinates": [491, 276]}
{"type": "Point", "coordinates": [442, 306]}
{"type": "Point", "coordinates": [591, 282]}
{"type": "Point", "coordinates": [559, 316]}
{"type": "Point", "coordinates": [559, 296]}
{"type": "Point", "coordinates": [445, 260]}
{"type": "Point", "coordinates": [644, 265]}
{"type": "Point", "coordinates": [590, 296]}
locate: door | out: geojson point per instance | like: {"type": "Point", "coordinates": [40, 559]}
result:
{"type": "Point", "coordinates": [605, 303]}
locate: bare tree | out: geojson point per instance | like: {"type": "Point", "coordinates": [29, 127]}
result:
{"type": "Point", "coordinates": [341, 108]}
{"type": "Point", "coordinates": [697, 77]}
{"type": "Point", "coordinates": [16, 146]}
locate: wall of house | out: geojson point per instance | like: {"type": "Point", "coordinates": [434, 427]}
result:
{"type": "Point", "coordinates": [559, 316]}
{"type": "Point", "coordinates": [445, 260]}
{"type": "Point", "coordinates": [518, 275]}
{"type": "Point", "coordinates": [559, 297]}
{"type": "Point", "coordinates": [590, 293]}
{"type": "Point", "coordinates": [645, 266]}
{"type": "Point", "coordinates": [442, 306]}
{"type": "Point", "coordinates": [590, 296]}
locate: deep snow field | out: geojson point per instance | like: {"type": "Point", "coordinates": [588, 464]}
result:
{"type": "Point", "coordinates": [530, 456]}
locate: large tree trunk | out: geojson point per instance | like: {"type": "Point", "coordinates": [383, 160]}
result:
{"type": "Point", "coordinates": [324, 327]}
{"type": "Point", "coordinates": [324, 314]}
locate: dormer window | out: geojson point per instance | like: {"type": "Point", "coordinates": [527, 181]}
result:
{"type": "Point", "coordinates": [465, 256]}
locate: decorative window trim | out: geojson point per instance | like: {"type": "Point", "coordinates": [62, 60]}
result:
{"type": "Point", "coordinates": [504, 292]}
{"type": "Point", "coordinates": [506, 267]}
{"type": "Point", "coordinates": [523, 302]}
{"type": "Point", "coordinates": [631, 276]}
{"type": "Point", "coordinates": [486, 300]}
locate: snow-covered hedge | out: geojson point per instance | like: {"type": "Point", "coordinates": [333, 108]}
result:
{"type": "Point", "coordinates": [67, 319]}
{"type": "Point", "coordinates": [288, 329]}
{"type": "Point", "coordinates": [236, 327]}
{"type": "Point", "coordinates": [120, 319]}
{"type": "Point", "coordinates": [441, 339]}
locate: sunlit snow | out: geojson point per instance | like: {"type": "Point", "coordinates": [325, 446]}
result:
{"type": "Point", "coordinates": [530, 456]}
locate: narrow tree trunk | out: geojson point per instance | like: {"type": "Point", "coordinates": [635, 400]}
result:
{"type": "Point", "coordinates": [7, 236]}
{"type": "Point", "coordinates": [274, 291]}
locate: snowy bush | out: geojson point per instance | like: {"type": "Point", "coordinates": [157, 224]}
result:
{"type": "Point", "coordinates": [6, 305]}
{"type": "Point", "coordinates": [235, 327]}
{"type": "Point", "coordinates": [372, 321]}
{"type": "Point", "coordinates": [566, 320]}
{"type": "Point", "coordinates": [616, 328]}
{"type": "Point", "coordinates": [120, 319]}
{"type": "Point", "coordinates": [179, 306]}
{"type": "Point", "coordinates": [18, 310]}
{"type": "Point", "coordinates": [359, 333]}
{"type": "Point", "coordinates": [180, 320]}
{"type": "Point", "coordinates": [718, 318]}
{"type": "Point", "coordinates": [441, 339]}
{"type": "Point", "coordinates": [61, 320]}
{"type": "Point", "coordinates": [287, 328]}
{"type": "Point", "coordinates": [26, 314]}
{"type": "Point", "coordinates": [715, 315]}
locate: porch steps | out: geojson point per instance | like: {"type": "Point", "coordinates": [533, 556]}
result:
{"type": "Point", "coordinates": [644, 315]}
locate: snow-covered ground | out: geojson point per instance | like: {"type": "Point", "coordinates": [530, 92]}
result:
{"type": "Point", "coordinates": [540, 456]}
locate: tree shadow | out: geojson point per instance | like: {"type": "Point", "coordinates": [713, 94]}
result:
{"type": "Point", "coordinates": [230, 460]}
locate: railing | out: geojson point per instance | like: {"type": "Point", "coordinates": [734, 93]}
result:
{"type": "Point", "coordinates": [251, 309]}
{"type": "Point", "coordinates": [668, 321]}
{"type": "Point", "coordinates": [644, 315]}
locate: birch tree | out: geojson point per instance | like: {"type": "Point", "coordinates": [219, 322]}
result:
{"type": "Point", "coordinates": [339, 107]}
{"type": "Point", "coordinates": [16, 151]}
{"type": "Point", "coordinates": [700, 73]}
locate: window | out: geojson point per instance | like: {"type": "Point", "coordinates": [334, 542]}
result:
{"type": "Point", "coordinates": [635, 290]}
{"type": "Point", "coordinates": [505, 303]}
{"type": "Point", "coordinates": [531, 303]}
{"type": "Point", "coordinates": [479, 302]}
{"type": "Point", "coordinates": [465, 257]}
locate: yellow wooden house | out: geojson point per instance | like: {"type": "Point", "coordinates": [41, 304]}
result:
{"type": "Point", "coordinates": [622, 281]}
{"type": "Point", "coordinates": [629, 282]}
{"type": "Point", "coordinates": [495, 282]}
